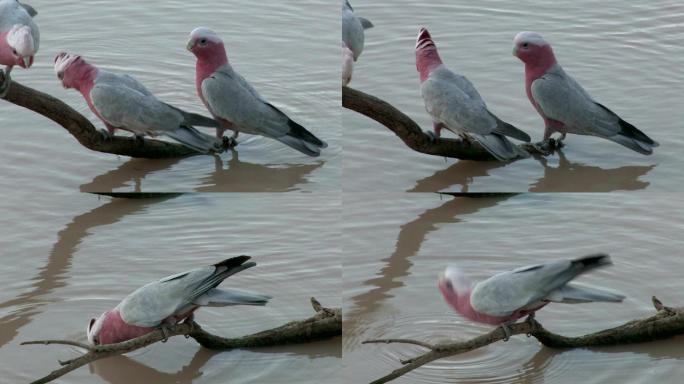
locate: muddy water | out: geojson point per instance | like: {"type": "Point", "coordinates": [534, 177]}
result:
{"type": "Point", "coordinates": [393, 257]}
{"type": "Point", "coordinates": [627, 55]}
{"type": "Point", "coordinates": [147, 40]}
{"type": "Point", "coordinates": [63, 263]}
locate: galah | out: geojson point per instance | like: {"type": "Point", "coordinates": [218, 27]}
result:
{"type": "Point", "coordinates": [508, 296]}
{"type": "Point", "coordinates": [353, 37]}
{"type": "Point", "coordinates": [236, 104]}
{"type": "Point", "coordinates": [19, 38]}
{"type": "Point", "coordinates": [122, 102]}
{"type": "Point", "coordinates": [453, 103]}
{"type": "Point", "coordinates": [172, 300]}
{"type": "Point", "coordinates": [564, 105]}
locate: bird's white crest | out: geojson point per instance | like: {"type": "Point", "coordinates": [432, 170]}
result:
{"type": "Point", "coordinates": [530, 37]}
{"type": "Point", "coordinates": [63, 61]}
{"type": "Point", "coordinates": [20, 38]}
{"type": "Point", "coordinates": [204, 32]}
{"type": "Point", "coordinates": [95, 329]}
{"type": "Point", "coordinates": [459, 280]}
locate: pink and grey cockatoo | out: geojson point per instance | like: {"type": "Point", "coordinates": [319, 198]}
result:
{"type": "Point", "coordinates": [353, 37]}
{"type": "Point", "coordinates": [172, 300]}
{"type": "Point", "coordinates": [121, 102]}
{"type": "Point", "coordinates": [564, 105]}
{"type": "Point", "coordinates": [453, 103]}
{"type": "Point", "coordinates": [236, 104]}
{"type": "Point", "coordinates": [508, 296]}
{"type": "Point", "coordinates": [19, 38]}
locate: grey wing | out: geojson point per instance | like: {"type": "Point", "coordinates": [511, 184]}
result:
{"type": "Point", "coordinates": [453, 106]}
{"type": "Point", "coordinates": [352, 33]}
{"type": "Point", "coordinates": [230, 97]}
{"type": "Point", "coordinates": [507, 292]}
{"type": "Point", "coordinates": [561, 98]}
{"type": "Point", "coordinates": [14, 13]}
{"type": "Point", "coordinates": [151, 304]}
{"type": "Point", "coordinates": [128, 108]}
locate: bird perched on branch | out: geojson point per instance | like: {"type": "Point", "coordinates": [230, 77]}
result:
{"type": "Point", "coordinates": [172, 300]}
{"type": "Point", "coordinates": [353, 38]}
{"type": "Point", "coordinates": [236, 104]}
{"type": "Point", "coordinates": [453, 103]}
{"type": "Point", "coordinates": [564, 105]}
{"type": "Point", "coordinates": [122, 102]}
{"type": "Point", "coordinates": [19, 38]}
{"type": "Point", "coordinates": [506, 297]}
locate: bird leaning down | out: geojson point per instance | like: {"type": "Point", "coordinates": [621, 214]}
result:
{"type": "Point", "coordinates": [506, 297]}
{"type": "Point", "coordinates": [564, 105]}
{"type": "Point", "coordinates": [236, 104]}
{"type": "Point", "coordinates": [172, 300]}
{"type": "Point", "coordinates": [453, 103]}
{"type": "Point", "coordinates": [121, 102]}
{"type": "Point", "coordinates": [19, 38]}
{"type": "Point", "coordinates": [353, 38]}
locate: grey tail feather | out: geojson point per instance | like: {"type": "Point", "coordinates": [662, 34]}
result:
{"type": "Point", "coordinates": [587, 263]}
{"type": "Point", "coordinates": [196, 120]}
{"type": "Point", "coordinates": [366, 23]}
{"type": "Point", "coordinates": [575, 293]}
{"type": "Point", "coordinates": [29, 9]}
{"type": "Point", "coordinates": [629, 133]}
{"type": "Point", "coordinates": [511, 131]}
{"type": "Point", "coordinates": [500, 147]}
{"type": "Point", "coordinates": [232, 266]}
{"type": "Point", "coordinates": [192, 138]}
{"type": "Point", "coordinates": [302, 140]}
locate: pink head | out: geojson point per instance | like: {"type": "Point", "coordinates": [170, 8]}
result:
{"type": "Point", "coordinates": [23, 45]}
{"type": "Point", "coordinates": [427, 57]}
{"type": "Point", "coordinates": [533, 50]}
{"type": "Point", "coordinates": [73, 71]}
{"type": "Point", "coordinates": [207, 46]}
{"type": "Point", "coordinates": [94, 329]}
{"type": "Point", "coordinates": [110, 328]}
{"type": "Point", "coordinates": [456, 287]}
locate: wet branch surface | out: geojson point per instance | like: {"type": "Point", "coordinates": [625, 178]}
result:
{"type": "Point", "coordinates": [325, 323]}
{"type": "Point", "coordinates": [86, 133]}
{"type": "Point", "coordinates": [411, 133]}
{"type": "Point", "coordinates": [666, 323]}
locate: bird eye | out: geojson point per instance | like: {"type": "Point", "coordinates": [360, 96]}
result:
{"type": "Point", "coordinates": [525, 45]}
{"type": "Point", "coordinates": [449, 285]}
{"type": "Point", "coordinates": [203, 41]}
{"type": "Point", "coordinates": [14, 51]}
{"type": "Point", "coordinates": [61, 77]}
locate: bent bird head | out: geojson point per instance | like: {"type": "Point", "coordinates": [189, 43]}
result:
{"type": "Point", "coordinates": [205, 44]}
{"type": "Point", "coordinates": [21, 41]}
{"type": "Point", "coordinates": [455, 286]}
{"type": "Point", "coordinates": [531, 48]}
{"type": "Point", "coordinates": [94, 328]}
{"type": "Point", "coordinates": [66, 69]}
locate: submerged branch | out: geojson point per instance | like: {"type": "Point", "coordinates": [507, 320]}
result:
{"type": "Point", "coordinates": [411, 133]}
{"type": "Point", "coordinates": [667, 322]}
{"type": "Point", "coordinates": [326, 323]}
{"type": "Point", "coordinates": [84, 131]}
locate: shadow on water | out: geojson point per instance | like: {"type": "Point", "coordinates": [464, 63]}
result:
{"type": "Point", "coordinates": [566, 177]}
{"type": "Point", "coordinates": [409, 241]}
{"type": "Point", "coordinates": [52, 275]}
{"type": "Point", "coordinates": [235, 176]}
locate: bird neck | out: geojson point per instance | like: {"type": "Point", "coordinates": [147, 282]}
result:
{"type": "Point", "coordinates": [209, 61]}
{"type": "Point", "coordinates": [542, 62]}
{"type": "Point", "coordinates": [427, 59]}
{"type": "Point", "coordinates": [82, 76]}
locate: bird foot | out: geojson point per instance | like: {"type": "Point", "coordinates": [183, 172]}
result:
{"type": "Point", "coordinates": [229, 142]}
{"type": "Point", "coordinates": [4, 87]}
{"type": "Point", "coordinates": [507, 331]}
{"type": "Point", "coordinates": [105, 134]}
{"type": "Point", "coordinates": [531, 322]}
{"type": "Point", "coordinates": [165, 333]}
{"type": "Point", "coordinates": [548, 146]}
{"type": "Point", "coordinates": [431, 136]}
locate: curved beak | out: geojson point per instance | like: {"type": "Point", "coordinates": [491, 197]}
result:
{"type": "Point", "coordinates": [190, 45]}
{"type": "Point", "coordinates": [515, 50]}
{"type": "Point", "coordinates": [27, 61]}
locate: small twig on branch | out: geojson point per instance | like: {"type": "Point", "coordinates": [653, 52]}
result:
{"type": "Point", "coordinates": [326, 323]}
{"type": "Point", "coordinates": [411, 133]}
{"type": "Point", "coordinates": [84, 131]}
{"type": "Point", "coordinates": [667, 322]}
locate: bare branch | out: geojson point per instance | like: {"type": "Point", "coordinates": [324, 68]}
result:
{"type": "Point", "coordinates": [84, 131]}
{"type": "Point", "coordinates": [411, 133]}
{"type": "Point", "coordinates": [326, 323]}
{"type": "Point", "coordinates": [667, 322]}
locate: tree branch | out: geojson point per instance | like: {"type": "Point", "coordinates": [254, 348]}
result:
{"type": "Point", "coordinates": [326, 323]}
{"type": "Point", "coordinates": [667, 322]}
{"type": "Point", "coordinates": [411, 133]}
{"type": "Point", "coordinates": [84, 131]}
